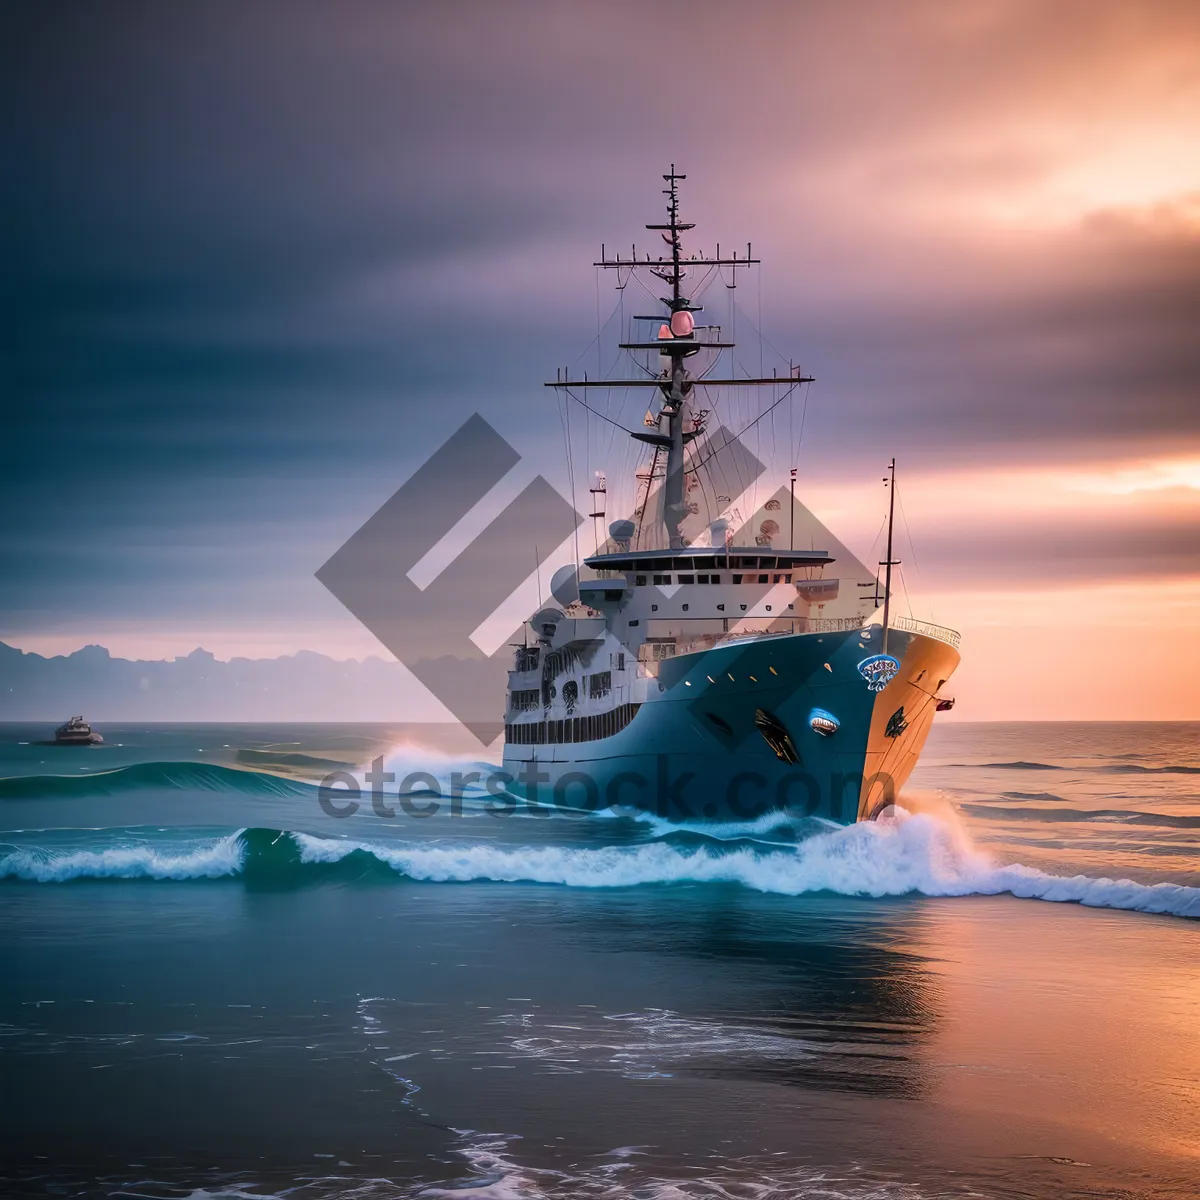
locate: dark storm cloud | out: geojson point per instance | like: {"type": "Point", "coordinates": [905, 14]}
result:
{"type": "Point", "coordinates": [1070, 551]}
{"type": "Point", "coordinates": [260, 256]}
{"type": "Point", "coordinates": [1061, 367]}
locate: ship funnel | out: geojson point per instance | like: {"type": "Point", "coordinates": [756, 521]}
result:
{"type": "Point", "coordinates": [718, 532]}
{"type": "Point", "coordinates": [621, 532]}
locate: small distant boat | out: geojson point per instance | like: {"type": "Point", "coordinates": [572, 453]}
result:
{"type": "Point", "coordinates": [76, 732]}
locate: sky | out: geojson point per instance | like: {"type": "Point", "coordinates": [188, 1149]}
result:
{"type": "Point", "coordinates": [262, 260]}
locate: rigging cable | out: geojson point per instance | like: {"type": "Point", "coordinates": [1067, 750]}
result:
{"type": "Point", "coordinates": [571, 471]}
{"type": "Point", "coordinates": [564, 420]}
{"type": "Point", "coordinates": [737, 436]}
{"type": "Point", "coordinates": [646, 504]}
{"type": "Point", "coordinates": [596, 412]}
{"type": "Point", "coordinates": [912, 549]}
{"type": "Point", "coordinates": [803, 418]}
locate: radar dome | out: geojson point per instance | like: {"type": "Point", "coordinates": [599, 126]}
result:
{"type": "Point", "coordinates": [545, 621]}
{"type": "Point", "coordinates": [621, 532]}
{"type": "Point", "coordinates": [564, 585]}
{"type": "Point", "coordinates": [682, 323]}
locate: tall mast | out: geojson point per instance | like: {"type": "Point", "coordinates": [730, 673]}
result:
{"type": "Point", "coordinates": [677, 342]}
{"type": "Point", "coordinates": [674, 409]}
{"type": "Point", "coordinates": [888, 562]}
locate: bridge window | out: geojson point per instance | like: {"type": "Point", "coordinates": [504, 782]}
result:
{"type": "Point", "coordinates": [737, 579]}
{"type": "Point", "coordinates": [687, 579]}
{"type": "Point", "coordinates": [659, 580]}
{"type": "Point", "coordinates": [764, 579]}
{"type": "Point", "coordinates": [640, 581]}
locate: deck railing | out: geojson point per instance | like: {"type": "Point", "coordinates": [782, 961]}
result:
{"type": "Point", "coordinates": [929, 629]}
{"type": "Point", "coordinates": [653, 651]}
{"type": "Point", "coordinates": [797, 625]}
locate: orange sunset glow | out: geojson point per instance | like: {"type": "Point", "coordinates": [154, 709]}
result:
{"type": "Point", "coordinates": [980, 225]}
{"type": "Point", "coordinates": [600, 600]}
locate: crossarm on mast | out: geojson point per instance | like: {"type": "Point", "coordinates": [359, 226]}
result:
{"type": "Point", "coordinates": [613, 263]}
{"type": "Point", "coordinates": [690, 383]}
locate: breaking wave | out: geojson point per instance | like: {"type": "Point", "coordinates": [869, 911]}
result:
{"type": "Point", "coordinates": [911, 855]}
{"type": "Point", "coordinates": [209, 860]}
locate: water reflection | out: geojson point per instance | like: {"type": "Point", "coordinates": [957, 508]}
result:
{"type": "Point", "coordinates": [792, 991]}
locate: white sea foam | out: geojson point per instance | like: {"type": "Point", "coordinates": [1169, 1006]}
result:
{"type": "Point", "coordinates": [725, 831]}
{"type": "Point", "coordinates": [621, 1174]}
{"type": "Point", "coordinates": [409, 758]}
{"type": "Point", "coordinates": [210, 860]}
{"type": "Point", "coordinates": [911, 854]}
{"type": "Point", "coordinates": [922, 853]}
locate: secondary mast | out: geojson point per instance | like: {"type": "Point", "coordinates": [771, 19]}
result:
{"type": "Point", "coordinates": [889, 562]}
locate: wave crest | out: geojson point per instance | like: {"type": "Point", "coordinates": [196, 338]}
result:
{"type": "Point", "coordinates": [912, 854]}
{"type": "Point", "coordinates": [209, 860]}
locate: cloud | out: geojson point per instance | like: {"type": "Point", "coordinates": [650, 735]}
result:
{"type": "Point", "coordinates": [260, 262]}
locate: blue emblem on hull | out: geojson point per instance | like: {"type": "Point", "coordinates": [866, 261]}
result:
{"type": "Point", "coordinates": [879, 670]}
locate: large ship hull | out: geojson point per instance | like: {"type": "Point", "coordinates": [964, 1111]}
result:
{"type": "Point", "coordinates": [734, 732]}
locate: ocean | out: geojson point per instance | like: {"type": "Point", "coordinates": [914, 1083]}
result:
{"type": "Point", "coordinates": [216, 985]}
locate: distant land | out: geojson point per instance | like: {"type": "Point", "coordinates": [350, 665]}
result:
{"type": "Point", "coordinates": [199, 687]}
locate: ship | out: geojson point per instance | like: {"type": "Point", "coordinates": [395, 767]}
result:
{"type": "Point", "coordinates": [76, 732]}
{"type": "Point", "coordinates": [695, 667]}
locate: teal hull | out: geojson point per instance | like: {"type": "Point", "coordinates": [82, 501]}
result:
{"type": "Point", "coordinates": [716, 740]}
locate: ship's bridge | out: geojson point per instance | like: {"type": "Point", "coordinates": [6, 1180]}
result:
{"type": "Point", "coordinates": [620, 573]}
{"type": "Point", "coordinates": [699, 558]}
